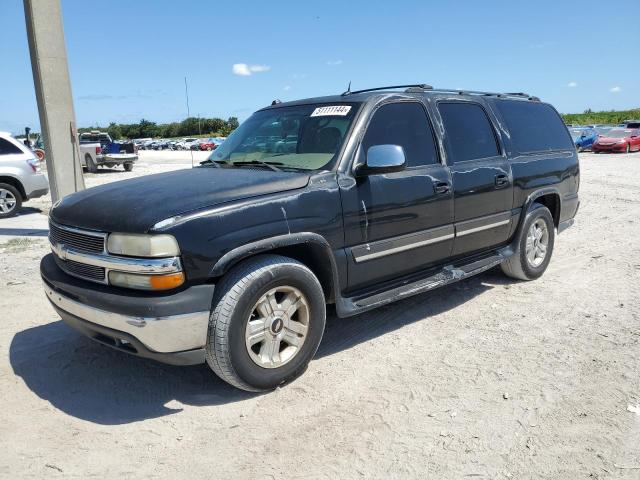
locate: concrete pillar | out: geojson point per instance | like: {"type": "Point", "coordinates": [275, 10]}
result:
{"type": "Point", "coordinates": [53, 93]}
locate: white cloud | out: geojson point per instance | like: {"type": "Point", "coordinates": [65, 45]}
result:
{"type": "Point", "coordinates": [334, 62]}
{"type": "Point", "coordinates": [245, 70]}
{"type": "Point", "coordinates": [615, 89]}
{"type": "Point", "coordinates": [287, 88]}
{"type": "Point", "coordinates": [572, 84]}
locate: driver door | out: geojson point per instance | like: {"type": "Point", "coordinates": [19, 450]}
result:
{"type": "Point", "coordinates": [402, 222]}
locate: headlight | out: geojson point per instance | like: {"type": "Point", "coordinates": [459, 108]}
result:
{"type": "Point", "coordinates": [133, 245]}
{"type": "Point", "coordinates": [146, 282]}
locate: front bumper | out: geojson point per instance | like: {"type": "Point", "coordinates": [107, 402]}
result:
{"type": "Point", "coordinates": [169, 327]}
{"type": "Point", "coordinates": [618, 147]}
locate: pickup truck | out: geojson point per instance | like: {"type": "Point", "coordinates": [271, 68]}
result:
{"type": "Point", "coordinates": [98, 149]}
{"type": "Point", "coordinates": [387, 193]}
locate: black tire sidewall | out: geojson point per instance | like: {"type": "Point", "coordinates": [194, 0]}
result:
{"type": "Point", "coordinates": [539, 211]}
{"type": "Point", "coordinates": [16, 194]}
{"type": "Point", "coordinates": [278, 275]}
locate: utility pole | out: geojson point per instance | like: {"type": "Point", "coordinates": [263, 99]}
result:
{"type": "Point", "coordinates": [53, 93]}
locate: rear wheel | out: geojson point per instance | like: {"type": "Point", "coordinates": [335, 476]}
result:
{"type": "Point", "coordinates": [91, 165]}
{"type": "Point", "coordinates": [534, 247]}
{"type": "Point", "coordinates": [128, 167]}
{"type": "Point", "coordinates": [10, 200]}
{"type": "Point", "coordinates": [267, 323]}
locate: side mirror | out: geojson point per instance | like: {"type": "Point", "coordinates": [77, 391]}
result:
{"type": "Point", "coordinates": [382, 159]}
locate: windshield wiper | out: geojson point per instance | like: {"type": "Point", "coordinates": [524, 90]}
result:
{"type": "Point", "coordinates": [271, 165]}
{"type": "Point", "coordinates": [216, 163]}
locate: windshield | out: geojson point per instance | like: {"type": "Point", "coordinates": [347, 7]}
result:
{"type": "Point", "coordinates": [306, 137]}
{"type": "Point", "coordinates": [618, 133]}
{"type": "Point", "coordinates": [576, 134]}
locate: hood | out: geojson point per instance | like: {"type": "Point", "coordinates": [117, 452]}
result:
{"type": "Point", "coordinates": [611, 139]}
{"type": "Point", "coordinates": [135, 205]}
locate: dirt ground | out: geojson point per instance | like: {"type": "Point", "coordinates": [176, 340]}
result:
{"type": "Point", "coordinates": [488, 378]}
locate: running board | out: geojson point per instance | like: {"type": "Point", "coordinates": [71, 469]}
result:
{"type": "Point", "coordinates": [449, 274]}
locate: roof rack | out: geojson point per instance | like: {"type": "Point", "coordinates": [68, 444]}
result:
{"type": "Point", "coordinates": [421, 87]}
{"type": "Point", "coordinates": [487, 94]}
{"type": "Point", "coordinates": [413, 87]}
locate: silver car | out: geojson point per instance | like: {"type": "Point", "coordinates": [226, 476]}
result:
{"type": "Point", "coordinates": [21, 177]}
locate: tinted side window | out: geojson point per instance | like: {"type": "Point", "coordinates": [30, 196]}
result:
{"type": "Point", "coordinates": [534, 127]}
{"type": "Point", "coordinates": [468, 131]}
{"type": "Point", "coordinates": [405, 124]}
{"type": "Point", "coordinates": [8, 148]}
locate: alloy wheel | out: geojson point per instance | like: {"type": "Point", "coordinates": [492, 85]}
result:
{"type": "Point", "coordinates": [537, 243]}
{"type": "Point", "coordinates": [7, 201]}
{"type": "Point", "coordinates": [277, 327]}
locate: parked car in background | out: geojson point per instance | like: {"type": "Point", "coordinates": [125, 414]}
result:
{"type": "Point", "coordinates": [208, 144]}
{"type": "Point", "coordinates": [583, 138]}
{"type": "Point", "coordinates": [110, 154]}
{"type": "Point", "coordinates": [388, 194]}
{"type": "Point", "coordinates": [631, 124]}
{"type": "Point", "coordinates": [21, 175]}
{"type": "Point", "coordinates": [621, 140]}
{"type": "Point", "coordinates": [195, 145]}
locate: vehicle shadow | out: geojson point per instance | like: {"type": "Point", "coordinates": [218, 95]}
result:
{"type": "Point", "coordinates": [95, 383]}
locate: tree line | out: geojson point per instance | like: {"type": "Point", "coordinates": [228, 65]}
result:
{"type": "Point", "coordinates": [192, 126]}
{"type": "Point", "coordinates": [589, 117]}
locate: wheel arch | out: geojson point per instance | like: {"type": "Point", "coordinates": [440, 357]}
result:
{"type": "Point", "coordinates": [14, 182]}
{"type": "Point", "coordinates": [309, 248]}
{"type": "Point", "coordinates": [550, 198]}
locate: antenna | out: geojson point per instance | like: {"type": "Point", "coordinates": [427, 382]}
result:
{"type": "Point", "coordinates": [186, 94]}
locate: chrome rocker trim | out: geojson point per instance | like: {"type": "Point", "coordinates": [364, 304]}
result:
{"type": "Point", "coordinates": [169, 334]}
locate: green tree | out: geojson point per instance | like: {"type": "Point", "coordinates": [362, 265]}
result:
{"type": "Point", "coordinates": [114, 131]}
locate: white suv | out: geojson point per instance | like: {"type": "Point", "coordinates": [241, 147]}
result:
{"type": "Point", "coordinates": [21, 177]}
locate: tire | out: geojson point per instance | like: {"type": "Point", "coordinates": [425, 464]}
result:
{"type": "Point", "coordinates": [519, 265]}
{"type": "Point", "coordinates": [91, 165]}
{"type": "Point", "coordinates": [10, 200]}
{"type": "Point", "coordinates": [235, 304]}
{"type": "Point", "coordinates": [128, 167]}
{"type": "Point", "coordinates": [628, 148]}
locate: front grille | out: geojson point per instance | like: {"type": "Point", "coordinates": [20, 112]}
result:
{"type": "Point", "coordinates": [83, 270]}
{"type": "Point", "coordinates": [78, 240]}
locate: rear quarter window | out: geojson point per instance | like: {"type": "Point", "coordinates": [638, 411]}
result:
{"type": "Point", "coordinates": [8, 148]}
{"type": "Point", "coordinates": [534, 127]}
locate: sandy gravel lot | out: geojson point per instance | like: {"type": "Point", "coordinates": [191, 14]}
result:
{"type": "Point", "coordinates": [488, 378]}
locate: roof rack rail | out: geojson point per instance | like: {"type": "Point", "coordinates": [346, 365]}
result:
{"type": "Point", "coordinates": [487, 94]}
{"type": "Point", "coordinates": [413, 87]}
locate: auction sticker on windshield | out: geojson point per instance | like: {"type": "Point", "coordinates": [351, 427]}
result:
{"type": "Point", "coordinates": [334, 110]}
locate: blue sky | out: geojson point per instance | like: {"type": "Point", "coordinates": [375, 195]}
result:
{"type": "Point", "coordinates": [128, 59]}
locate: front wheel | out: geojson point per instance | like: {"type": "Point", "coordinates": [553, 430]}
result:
{"type": "Point", "coordinates": [534, 247]}
{"type": "Point", "coordinates": [267, 323]}
{"type": "Point", "coordinates": [628, 148]}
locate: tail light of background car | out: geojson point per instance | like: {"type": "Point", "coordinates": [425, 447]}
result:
{"type": "Point", "coordinates": [98, 150]}
{"type": "Point", "coordinates": [34, 163]}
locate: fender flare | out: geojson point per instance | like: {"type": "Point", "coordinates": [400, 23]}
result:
{"type": "Point", "coordinates": [530, 200]}
{"type": "Point", "coordinates": [242, 252]}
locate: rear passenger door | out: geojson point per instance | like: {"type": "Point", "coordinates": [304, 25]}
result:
{"type": "Point", "coordinates": [482, 182]}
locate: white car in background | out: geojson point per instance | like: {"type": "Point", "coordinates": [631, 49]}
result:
{"type": "Point", "coordinates": [21, 176]}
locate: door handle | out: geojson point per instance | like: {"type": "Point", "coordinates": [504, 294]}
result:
{"type": "Point", "coordinates": [441, 187]}
{"type": "Point", "coordinates": [501, 180]}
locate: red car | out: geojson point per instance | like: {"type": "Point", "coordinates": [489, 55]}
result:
{"type": "Point", "coordinates": [618, 140]}
{"type": "Point", "coordinates": [208, 145]}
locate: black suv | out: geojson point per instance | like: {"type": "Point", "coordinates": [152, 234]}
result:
{"type": "Point", "coordinates": [359, 200]}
